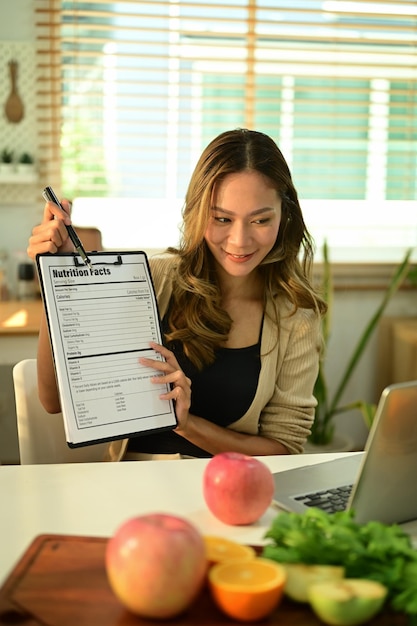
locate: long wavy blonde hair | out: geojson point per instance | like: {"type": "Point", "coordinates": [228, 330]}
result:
{"type": "Point", "coordinates": [196, 317]}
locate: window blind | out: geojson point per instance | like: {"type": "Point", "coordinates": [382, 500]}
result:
{"type": "Point", "coordinates": [129, 92]}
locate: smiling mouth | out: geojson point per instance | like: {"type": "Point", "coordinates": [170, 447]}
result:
{"type": "Point", "coordinates": [240, 257]}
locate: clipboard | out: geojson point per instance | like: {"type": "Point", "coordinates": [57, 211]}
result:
{"type": "Point", "coordinates": [100, 321]}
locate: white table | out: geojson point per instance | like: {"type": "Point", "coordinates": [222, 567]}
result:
{"type": "Point", "coordinates": [94, 499]}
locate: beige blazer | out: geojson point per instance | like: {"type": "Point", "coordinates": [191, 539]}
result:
{"type": "Point", "coordinates": [283, 406]}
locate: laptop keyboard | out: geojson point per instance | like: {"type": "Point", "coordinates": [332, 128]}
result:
{"type": "Point", "coordinates": [329, 500]}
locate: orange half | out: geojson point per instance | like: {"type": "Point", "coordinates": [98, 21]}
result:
{"type": "Point", "coordinates": [219, 550]}
{"type": "Point", "coordinates": [247, 590]}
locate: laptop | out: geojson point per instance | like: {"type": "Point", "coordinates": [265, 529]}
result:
{"type": "Point", "coordinates": [379, 483]}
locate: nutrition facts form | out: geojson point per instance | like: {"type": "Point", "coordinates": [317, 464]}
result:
{"type": "Point", "coordinates": [101, 321]}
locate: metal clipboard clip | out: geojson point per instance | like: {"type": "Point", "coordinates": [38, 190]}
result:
{"type": "Point", "coordinates": [118, 261]}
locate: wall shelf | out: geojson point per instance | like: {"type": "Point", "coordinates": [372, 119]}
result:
{"type": "Point", "coordinates": [18, 177]}
{"type": "Point", "coordinates": [18, 187]}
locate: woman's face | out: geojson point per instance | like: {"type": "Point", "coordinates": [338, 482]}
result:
{"type": "Point", "coordinates": [244, 222]}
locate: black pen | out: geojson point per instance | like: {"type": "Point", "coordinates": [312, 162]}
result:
{"type": "Point", "coordinates": [50, 196]}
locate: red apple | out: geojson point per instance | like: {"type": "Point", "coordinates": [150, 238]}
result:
{"type": "Point", "coordinates": [156, 564]}
{"type": "Point", "coordinates": [237, 488]}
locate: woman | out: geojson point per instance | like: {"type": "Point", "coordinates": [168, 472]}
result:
{"type": "Point", "coordinates": [240, 319]}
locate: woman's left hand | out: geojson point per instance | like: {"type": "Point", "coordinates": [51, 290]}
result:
{"type": "Point", "coordinates": [170, 373]}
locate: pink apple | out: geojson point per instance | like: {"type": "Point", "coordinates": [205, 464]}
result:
{"type": "Point", "coordinates": [156, 564]}
{"type": "Point", "coordinates": [237, 488]}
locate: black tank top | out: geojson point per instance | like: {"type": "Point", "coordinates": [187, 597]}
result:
{"type": "Point", "coordinates": [220, 393]}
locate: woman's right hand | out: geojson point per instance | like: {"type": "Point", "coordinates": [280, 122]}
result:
{"type": "Point", "coordinates": [51, 234]}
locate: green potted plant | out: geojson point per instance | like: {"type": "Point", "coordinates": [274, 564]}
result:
{"type": "Point", "coordinates": [329, 406]}
{"type": "Point", "coordinates": [25, 164]}
{"type": "Point", "coordinates": [6, 162]}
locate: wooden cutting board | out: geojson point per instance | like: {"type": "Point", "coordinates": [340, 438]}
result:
{"type": "Point", "coordinates": [61, 581]}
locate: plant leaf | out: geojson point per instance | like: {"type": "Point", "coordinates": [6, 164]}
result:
{"type": "Point", "coordinates": [322, 429]}
{"type": "Point", "coordinates": [394, 284]}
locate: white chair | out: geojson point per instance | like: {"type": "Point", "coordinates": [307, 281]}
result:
{"type": "Point", "coordinates": [41, 435]}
